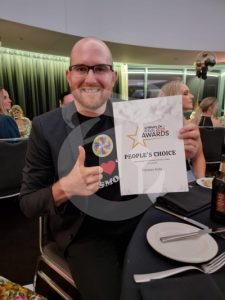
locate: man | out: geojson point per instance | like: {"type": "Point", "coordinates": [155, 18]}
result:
{"type": "Point", "coordinates": [92, 241]}
{"type": "Point", "coordinates": [65, 97]}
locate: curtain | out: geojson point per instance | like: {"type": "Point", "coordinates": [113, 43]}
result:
{"type": "Point", "coordinates": [33, 80]}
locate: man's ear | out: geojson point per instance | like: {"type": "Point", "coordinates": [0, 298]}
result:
{"type": "Point", "coordinates": [115, 77]}
{"type": "Point", "coordinates": [68, 76]}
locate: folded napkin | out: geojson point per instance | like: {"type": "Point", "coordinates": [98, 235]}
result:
{"type": "Point", "coordinates": [196, 287]}
{"type": "Point", "coordinates": [186, 203]}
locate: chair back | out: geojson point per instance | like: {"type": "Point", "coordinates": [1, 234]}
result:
{"type": "Point", "coordinates": [12, 161]}
{"type": "Point", "coordinates": [52, 271]}
{"type": "Point", "coordinates": [212, 143]}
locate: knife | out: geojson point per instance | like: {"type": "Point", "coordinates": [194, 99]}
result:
{"type": "Point", "coordinates": [188, 220]}
{"type": "Point", "coordinates": [178, 237]}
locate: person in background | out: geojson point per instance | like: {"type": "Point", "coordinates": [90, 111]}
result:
{"type": "Point", "coordinates": [205, 113]}
{"type": "Point", "coordinates": [177, 87]}
{"type": "Point", "coordinates": [23, 123]}
{"type": "Point", "coordinates": [65, 98]}
{"type": "Point", "coordinates": [8, 127]}
{"type": "Point", "coordinates": [94, 247]}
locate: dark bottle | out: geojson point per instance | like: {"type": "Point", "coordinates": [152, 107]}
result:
{"type": "Point", "coordinates": [218, 194]}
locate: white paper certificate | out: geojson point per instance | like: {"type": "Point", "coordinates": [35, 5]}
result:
{"type": "Point", "coordinates": [151, 158]}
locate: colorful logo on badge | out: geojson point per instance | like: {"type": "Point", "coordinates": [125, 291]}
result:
{"type": "Point", "coordinates": [102, 145]}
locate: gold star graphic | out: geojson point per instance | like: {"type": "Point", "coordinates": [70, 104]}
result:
{"type": "Point", "coordinates": [136, 139]}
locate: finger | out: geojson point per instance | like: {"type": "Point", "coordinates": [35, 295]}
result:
{"type": "Point", "coordinates": [190, 150]}
{"type": "Point", "coordinates": [190, 142]}
{"type": "Point", "coordinates": [81, 156]}
{"type": "Point", "coordinates": [189, 131]}
{"type": "Point", "coordinates": [188, 127]}
{"type": "Point", "coordinates": [92, 171]}
{"type": "Point", "coordinates": [93, 187]}
{"type": "Point", "coordinates": [93, 179]}
{"type": "Point", "coordinates": [193, 134]}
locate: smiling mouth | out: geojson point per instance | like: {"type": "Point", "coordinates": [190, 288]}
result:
{"type": "Point", "coordinates": [90, 90]}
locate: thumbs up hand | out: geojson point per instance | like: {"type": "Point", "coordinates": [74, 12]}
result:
{"type": "Point", "coordinates": [81, 181]}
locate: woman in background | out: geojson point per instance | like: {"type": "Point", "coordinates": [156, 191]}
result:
{"type": "Point", "coordinates": [174, 88]}
{"type": "Point", "coordinates": [8, 126]}
{"type": "Point", "coordinates": [23, 123]}
{"type": "Point", "coordinates": [205, 114]}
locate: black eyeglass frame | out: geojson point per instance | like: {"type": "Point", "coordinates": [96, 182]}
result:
{"type": "Point", "coordinates": [91, 67]}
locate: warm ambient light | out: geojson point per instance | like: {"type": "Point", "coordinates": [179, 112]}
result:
{"type": "Point", "coordinates": [165, 72]}
{"type": "Point", "coordinates": [168, 72]}
{"type": "Point", "coordinates": [208, 74]}
{"type": "Point", "coordinates": [33, 54]}
{"type": "Point", "coordinates": [156, 72]}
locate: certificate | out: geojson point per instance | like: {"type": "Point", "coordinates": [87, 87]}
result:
{"type": "Point", "coordinates": [151, 158]}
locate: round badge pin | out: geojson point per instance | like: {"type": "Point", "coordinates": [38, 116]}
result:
{"type": "Point", "coordinates": [102, 145]}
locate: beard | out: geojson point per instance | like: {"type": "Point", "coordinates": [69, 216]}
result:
{"type": "Point", "coordinates": [91, 98]}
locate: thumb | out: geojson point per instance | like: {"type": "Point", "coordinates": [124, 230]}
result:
{"type": "Point", "coordinates": [81, 156]}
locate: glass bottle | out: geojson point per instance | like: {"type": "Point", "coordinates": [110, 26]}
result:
{"type": "Point", "coordinates": [218, 194]}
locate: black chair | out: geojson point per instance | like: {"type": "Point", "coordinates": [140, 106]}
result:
{"type": "Point", "coordinates": [213, 147]}
{"type": "Point", "coordinates": [52, 276]}
{"type": "Point", "coordinates": [12, 161]}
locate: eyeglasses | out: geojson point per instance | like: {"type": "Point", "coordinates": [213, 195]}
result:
{"type": "Point", "coordinates": [82, 70]}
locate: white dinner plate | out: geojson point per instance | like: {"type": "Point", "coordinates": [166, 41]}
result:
{"type": "Point", "coordinates": [205, 182]}
{"type": "Point", "coordinates": [196, 249]}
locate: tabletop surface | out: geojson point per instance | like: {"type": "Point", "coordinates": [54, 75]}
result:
{"type": "Point", "coordinates": [141, 258]}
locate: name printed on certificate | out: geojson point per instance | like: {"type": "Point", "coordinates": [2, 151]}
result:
{"type": "Point", "coordinates": [151, 158]}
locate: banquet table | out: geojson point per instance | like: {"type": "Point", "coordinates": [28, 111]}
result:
{"type": "Point", "coordinates": [142, 258]}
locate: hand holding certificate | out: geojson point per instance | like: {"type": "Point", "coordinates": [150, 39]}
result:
{"type": "Point", "coordinates": [151, 158]}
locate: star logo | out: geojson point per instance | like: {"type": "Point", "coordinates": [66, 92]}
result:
{"type": "Point", "coordinates": [137, 139]}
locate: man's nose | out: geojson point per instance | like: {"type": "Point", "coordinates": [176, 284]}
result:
{"type": "Point", "coordinates": [90, 75]}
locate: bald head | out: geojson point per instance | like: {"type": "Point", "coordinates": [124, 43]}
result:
{"type": "Point", "coordinates": [98, 48]}
{"type": "Point", "coordinates": [91, 89]}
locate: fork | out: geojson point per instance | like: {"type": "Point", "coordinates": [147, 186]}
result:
{"type": "Point", "coordinates": [207, 268]}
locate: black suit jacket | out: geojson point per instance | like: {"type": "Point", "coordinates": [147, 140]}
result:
{"type": "Point", "coordinates": [50, 132]}
{"type": "Point", "coordinates": [52, 153]}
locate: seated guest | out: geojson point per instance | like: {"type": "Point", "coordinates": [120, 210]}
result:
{"type": "Point", "coordinates": [177, 87]}
{"type": "Point", "coordinates": [23, 123]}
{"type": "Point", "coordinates": [65, 98]}
{"type": "Point", "coordinates": [94, 245]}
{"type": "Point", "coordinates": [205, 113]}
{"type": "Point", "coordinates": [8, 126]}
